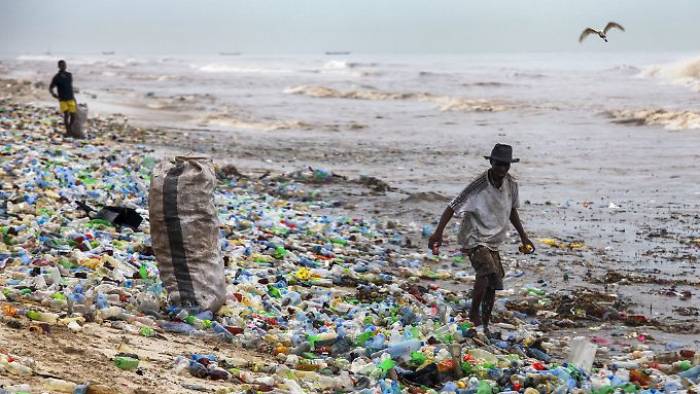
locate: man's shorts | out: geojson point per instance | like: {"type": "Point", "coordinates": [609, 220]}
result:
{"type": "Point", "coordinates": [68, 106]}
{"type": "Point", "coordinates": [487, 262]}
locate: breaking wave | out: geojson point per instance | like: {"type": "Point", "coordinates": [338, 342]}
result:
{"type": "Point", "coordinates": [228, 68]}
{"type": "Point", "coordinates": [670, 120]}
{"type": "Point", "coordinates": [347, 67]}
{"type": "Point", "coordinates": [626, 68]}
{"type": "Point", "coordinates": [39, 58]}
{"type": "Point", "coordinates": [233, 122]}
{"type": "Point", "coordinates": [121, 63]}
{"type": "Point", "coordinates": [344, 65]}
{"type": "Point", "coordinates": [685, 72]}
{"type": "Point", "coordinates": [83, 60]}
{"type": "Point", "coordinates": [445, 103]}
{"type": "Point", "coordinates": [361, 94]}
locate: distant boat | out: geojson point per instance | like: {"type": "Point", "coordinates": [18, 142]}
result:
{"type": "Point", "coordinates": [109, 53]}
{"type": "Point", "coordinates": [229, 53]}
{"type": "Point", "coordinates": [337, 52]}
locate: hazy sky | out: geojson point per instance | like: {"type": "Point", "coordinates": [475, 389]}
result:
{"type": "Point", "coordinates": [365, 26]}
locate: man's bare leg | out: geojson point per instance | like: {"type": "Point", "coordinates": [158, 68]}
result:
{"type": "Point", "coordinates": [487, 307]}
{"type": "Point", "coordinates": [66, 122]}
{"type": "Point", "coordinates": [480, 286]}
{"type": "Point", "coordinates": [71, 121]}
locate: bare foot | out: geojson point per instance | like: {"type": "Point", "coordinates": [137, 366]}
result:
{"type": "Point", "coordinates": [475, 319]}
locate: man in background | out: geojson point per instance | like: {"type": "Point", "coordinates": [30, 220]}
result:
{"type": "Point", "coordinates": [63, 81]}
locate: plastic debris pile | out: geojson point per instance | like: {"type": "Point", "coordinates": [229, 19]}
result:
{"type": "Point", "coordinates": [333, 299]}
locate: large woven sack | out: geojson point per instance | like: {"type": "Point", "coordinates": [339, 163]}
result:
{"type": "Point", "coordinates": [185, 232]}
{"type": "Point", "coordinates": [79, 128]}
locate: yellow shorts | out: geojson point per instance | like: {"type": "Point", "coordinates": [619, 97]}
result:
{"type": "Point", "coordinates": [68, 106]}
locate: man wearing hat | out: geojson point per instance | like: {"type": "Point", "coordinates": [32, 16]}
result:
{"type": "Point", "coordinates": [487, 205]}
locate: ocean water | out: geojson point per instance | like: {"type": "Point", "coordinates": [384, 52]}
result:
{"type": "Point", "coordinates": [602, 119]}
{"type": "Point", "coordinates": [559, 106]}
{"type": "Point", "coordinates": [325, 90]}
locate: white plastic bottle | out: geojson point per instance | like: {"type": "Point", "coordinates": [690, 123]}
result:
{"type": "Point", "coordinates": [60, 386]}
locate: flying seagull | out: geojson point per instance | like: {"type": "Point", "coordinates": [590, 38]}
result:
{"type": "Point", "coordinates": [601, 34]}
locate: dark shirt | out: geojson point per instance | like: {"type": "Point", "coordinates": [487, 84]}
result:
{"type": "Point", "coordinates": [63, 80]}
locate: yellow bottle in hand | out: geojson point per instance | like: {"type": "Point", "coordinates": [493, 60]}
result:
{"type": "Point", "coordinates": [525, 249]}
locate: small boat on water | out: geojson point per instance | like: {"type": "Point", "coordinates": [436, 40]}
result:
{"type": "Point", "coordinates": [108, 53]}
{"type": "Point", "coordinates": [229, 53]}
{"type": "Point", "coordinates": [337, 52]}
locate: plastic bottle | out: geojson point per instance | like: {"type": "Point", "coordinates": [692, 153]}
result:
{"type": "Point", "coordinates": [483, 355]}
{"type": "Point", "coordinates": [692, 374]}
{"type": "Point", "coordinates": [401, 349]}
{"type": "Point", "coordinates": [484, 388]}
{"type": "Point", "coordinates": [9, 310]}
{"type": "Point", "coordinates": [177, 327]}
{"type": "Point", "coordinates": [218, 374]}
{"type": "Point", "coordinates": [293, 386]}
{"type": "Point", "coordinates": [59, 385]}
{"type": "Point", "coordinates": [113, 312]}
{"type": "Point", "coordinates": [198, 370]}
{"type": "Point", "coordinates": [53, 274]}
{"type": "Point", "coordinates": [101, 301]}
{"type": "Point", "coordinates": [45, 317]}
{"type": "Point", "coordinates": [74, 326]}
{"type": "Point", "coordinates": [672, 385]}
{"type": "Point", "coordinates": [18, 388]}
{"type": "Point", "coordinates": [631, 364]}
{"type": "Point", "coordinates": [180, 365]}
{"type": "Point", "coordinates": [538, 354]}
{"type": "Point", "coordinates": [639, 377]}
{"type": "Point", "coordinates": [322, 339]}
{"type": "Point", "coordinates": [146, 331]}
{"type": "Point", "coordinates": [376, 343]}
{"type": "Point", "coordinates": [14, 367]}
{"type": "Point", "coordinates": [682, 365]}
{"type": "Point", "coordinates": [222, 332]}
{"type": "Point", "coordinates": [126, 363]}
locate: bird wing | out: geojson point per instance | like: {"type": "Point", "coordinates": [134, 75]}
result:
{"type": "Point", "coordinates": [610, 25]}
{"type": "Point", "coordinates": [586, 32]}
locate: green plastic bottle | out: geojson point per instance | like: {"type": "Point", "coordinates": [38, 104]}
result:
{"type": "Point", "coordinates": [484, 388]}
{"type": "Point", "coordinates": [362, 338]}
{"type": "Point", "coordinates": [280, 252]}
{"type": "Point", "coordinates": [143, 271]}
{"type": "Point", "coordinates": [147, 331]}
{"type": "Point", "coordinates": [607, 389]}
{"type": "Point", "coordinates": [684, 365]}
{"type": "Point", "coordinates": [536, 291]}
{"type": "Point", "coordinates": [273, 291]}
{"type": "Point", "coordinates": [261, 259]}
{"type": "Point", "coordinates": [387, 365]}
{"type": "Point", "coordinates": [417, 358]}
{"type": "Point", "coordinates": [339, 241]}
{"type": "Point", "coordinates": [467, 369]}
{"type": "Point", "coordinates": [126, 363]}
